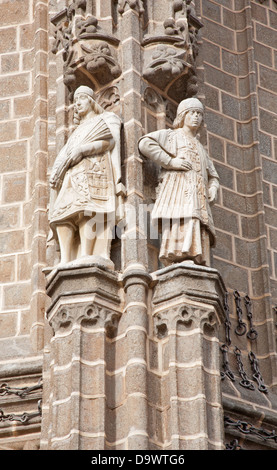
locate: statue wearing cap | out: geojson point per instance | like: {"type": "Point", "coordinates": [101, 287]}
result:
{"type": "Point", "coordinates": [188, 187]}
{"type": "Point", "coordinates": [85, 182]}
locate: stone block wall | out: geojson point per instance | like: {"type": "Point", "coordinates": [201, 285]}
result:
{"type": "Point", "coordinates": [24, 103]}
{"type": "Point", "coordinates": [237, 66]}
{"type": "Point", "coordinates": [16, 134]}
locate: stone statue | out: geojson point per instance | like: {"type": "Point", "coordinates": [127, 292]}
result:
{"type": "Point", "coordinates": [85, 182]}
{"type": "Point", "coordinates": [188, 186]}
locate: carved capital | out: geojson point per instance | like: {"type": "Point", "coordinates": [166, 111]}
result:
{"type": "Point", "coordinates": [171, 67]}
{"type": "Point", "coordinates": [165, 66]}
{"type": "Point", "coordinates": [136, 277]}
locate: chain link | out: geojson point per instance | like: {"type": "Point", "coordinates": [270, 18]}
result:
{"type": "Point", "coordinates": [247, 428]}
{"type": "Point", "coordinates": [256, 373]}
{"type": "Point", "coordinates": [252, 333]}
{"type": "Point", "coordinates": [227, 320]}
{"type": "Point", "coordinates": [241, 328]}
{"type": "Point", "coordinates": [24, 418]}
{"type": "Point", "coordinates": [245, 382]}
{"type": "Point", "coordinates": [226, 368]}
{"type": "Point", "coordinates": [234, 445]}
{"type": "Point", "coordinates": [5, 389]}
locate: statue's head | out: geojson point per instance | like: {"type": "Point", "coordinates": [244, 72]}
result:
{"type": "Point", "coordinates": [84, 101]}
{"type": "Point", "coordinates": [84, 90]}
{"type": "Point", "coordinates": [184, 107]}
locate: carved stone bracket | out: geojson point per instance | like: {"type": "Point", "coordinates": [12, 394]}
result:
{"type": "Point", "coordinates": [100, 62]}
{"type": "Point", "coordinates": [166, 69]}
{"type": "Point", "coordinates": [170, 66]}
{"type": "Point", "coordinates": [89, 52]}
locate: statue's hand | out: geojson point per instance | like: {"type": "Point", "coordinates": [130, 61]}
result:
{"type": "Point", "coordinates": [179, 164]}
{"type": "Point", "coordinates": [212, 194]}
{"type": "Point", "coordinates": [53, 180]}
{"type": "Point", "coordinates": [75, 157]}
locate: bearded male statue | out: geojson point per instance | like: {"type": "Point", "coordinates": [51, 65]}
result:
{"type": "Point", "coordinates": [85, 182]}
{"type": "Point", "coordinates": [187, 189]}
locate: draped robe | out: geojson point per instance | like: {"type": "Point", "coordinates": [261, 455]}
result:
{"type": "Point", "coordinates": [88, 187]}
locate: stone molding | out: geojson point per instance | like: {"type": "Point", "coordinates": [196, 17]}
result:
{"type": "Point", "coordinates": [203, 284]}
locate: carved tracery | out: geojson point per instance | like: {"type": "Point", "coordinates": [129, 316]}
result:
{"type": "Point", "coordinates": [88, 315]}
{"type": "Point", "coordinates": [183, 316]}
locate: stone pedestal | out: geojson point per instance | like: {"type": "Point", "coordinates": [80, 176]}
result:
{"type": "Point", "coordinates": [84, 313]}
{"type": "Point", "coordinates": [133, 363]}
{"type": "Point", "coordinates": [186, 312]}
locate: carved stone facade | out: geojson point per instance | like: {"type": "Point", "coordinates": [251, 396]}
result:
{"type": "Point", "coordinates": [130, 353]}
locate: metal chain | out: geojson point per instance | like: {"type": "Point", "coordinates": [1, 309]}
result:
{"type": "Point", "coordinates": [227, 371]}
{"type": "Point", "coordinates": [252, 333]}
{"type": "Point", "coordinates": [256, 373]}
{"type": "Point", "coordinates": [227, 320]}
{"type": "Point", "coordinates": [241, 328]}
{"type": "Point", "coordinates": [24, 418]}
{"type": "Point", "coordinates": [5, 389]}
{"type": "Point", "coordinates": [246, 428]}
{"type": "Point", "coordinates": [234, 445]}
{"type": "Point", "coordinates": [245, 382]}
{"type": "Point", "coordinates": [275, 311]}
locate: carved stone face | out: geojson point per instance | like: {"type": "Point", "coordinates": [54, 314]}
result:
{"type": "Point", "coordinates": [193, 119]}
{"type": "Point", "coordinates": [83, 104]}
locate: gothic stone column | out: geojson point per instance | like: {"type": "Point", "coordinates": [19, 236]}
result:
{"type": "Point", "coordinates": [84, 312]}
{"type": "Point", "coordinates": [134, 326]}
{"type": "Point", "coordinates": [187, 311]}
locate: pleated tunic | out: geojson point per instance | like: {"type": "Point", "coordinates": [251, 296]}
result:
{"type": "Point", "coordinates": [182, 208]}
